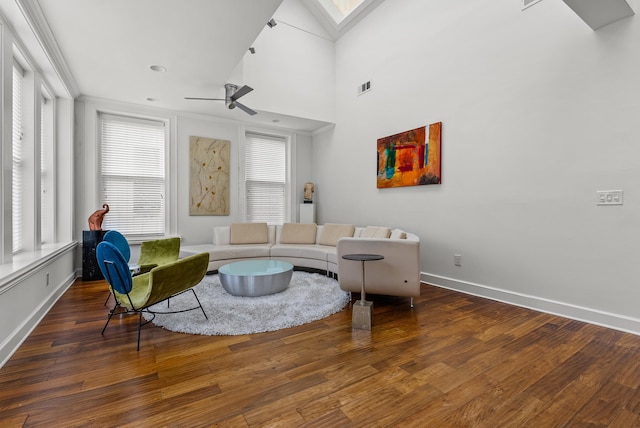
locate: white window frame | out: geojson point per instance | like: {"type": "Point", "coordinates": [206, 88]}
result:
{"type": "Point", "coordinates": [34, 85]}
{"type": "Point", "coordinates": [140, 235]}
{"type": "Point", "coordinates": [47, 168]}
{"type": "Point", "coordinates": [18, 152]}
{"type": "Point", "coordinates": [289, 142]}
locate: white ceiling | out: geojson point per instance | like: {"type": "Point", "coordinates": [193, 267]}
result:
{"type": "Point", "coordinates": [103, 49]}
{"type": "Point", "coordinates": [108, 47]}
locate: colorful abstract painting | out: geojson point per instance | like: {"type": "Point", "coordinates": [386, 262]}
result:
{"type": "Point", "coordinates": [411, 158]}
{"type": "Point", "coordinates": [208, 176]}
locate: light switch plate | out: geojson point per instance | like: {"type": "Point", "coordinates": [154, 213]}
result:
{"type": "Point", "coordinates": [610, 197]}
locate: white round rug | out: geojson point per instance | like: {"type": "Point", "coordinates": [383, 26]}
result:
{"type": "Point", "coordinates": [310, 297]}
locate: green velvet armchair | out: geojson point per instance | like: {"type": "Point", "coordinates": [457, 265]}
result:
{"type": "Point", "coordinates": [157, 253]}
{"type": "Point", "coordinates": [138, 293]}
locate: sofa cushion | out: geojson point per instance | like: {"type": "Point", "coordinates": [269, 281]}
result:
{"type": "Point", "coordinates": [332, 255]}
{"type": "Point", "coordinates": [398, 234]}
{"type": "Point", "coordinates": [301, 251]}
{"type": "Point", "coordinates": [332, 232]}
{"type": "Point", "coordinates": [239, 251]}
{"type": "Point", "coordinates": [191, 250]}
{"type": "Point", "coordinates": [249, 233]}
{"type": "Point", "coordinates": [375, 232]}
{"type": "Point", "coordinates": [294, 233]}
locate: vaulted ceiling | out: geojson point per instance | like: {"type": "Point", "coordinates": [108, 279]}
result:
{"type": "Point", "coordinates": [109, 47]}
{"type": "Point", "coordinates": [104, 49]}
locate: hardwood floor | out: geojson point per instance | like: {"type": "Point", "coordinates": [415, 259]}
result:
{"type": "Point", "coordinates": [452, 361]}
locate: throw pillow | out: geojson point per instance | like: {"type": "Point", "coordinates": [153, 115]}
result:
{"type": "Point", "coordinates": [375, 232]}
{"type": "Point", "coordinates": [249, 233]}
{"type": "Point", "coordinates": [296, 233]}
{"type": "Point", "coordinates": [332, 232]}
{"type": "Point", "coordinates": [398, 234]}
{"type": "Point", "coordinates": [221, 235]}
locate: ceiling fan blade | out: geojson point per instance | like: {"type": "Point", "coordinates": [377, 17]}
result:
{"type": "Point", "coordinates": [241, 92]}
{"type": "Point", "coordinates": [207, 99]}
{"type": "Point", "coordinates": [245, 109]}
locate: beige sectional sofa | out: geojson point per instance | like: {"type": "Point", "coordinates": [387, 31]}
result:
{"type": "Point", "coordinates": [321, 247]}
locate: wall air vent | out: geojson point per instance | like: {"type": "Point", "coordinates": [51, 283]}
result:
{"type": "Point", "coordinates": [529, 3]}
{"type": "Point", "coordinates": [365, 87]}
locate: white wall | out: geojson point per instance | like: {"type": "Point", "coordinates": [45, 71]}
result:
{"type": "Point", "coordinates": [29, 287]}
{"type": "Point", "coordinates": [538, 114]}
{"type": "Point", "coordinates": [32, 280]}
{"type": "Point", "coordinates": [199, 229]}
{"type": "Point", "coordinates": [192, 229]}
{"type": "Point", "coordinates": [293, 66]}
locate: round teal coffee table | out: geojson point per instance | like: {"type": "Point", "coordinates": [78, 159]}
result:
{"type": "Point", "coordinates": [252, 278]}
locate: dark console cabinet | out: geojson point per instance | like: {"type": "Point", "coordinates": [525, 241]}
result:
{"type": "Point", "coordinates": [90, 240]}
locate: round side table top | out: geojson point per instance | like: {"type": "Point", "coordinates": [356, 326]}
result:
{"type": "Point", "coordinates": [363, 257]}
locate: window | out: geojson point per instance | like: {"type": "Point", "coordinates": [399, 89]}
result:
{"type": "Point", "coordinates": [266, 178]}
{"type": "Point", "coordinates": [132, 176]}
{"type": "Point", "coordinates": [342, 10]}
{"type": "Point", "coordinates": [17, 165]}
{"type": "Point", "coordinates": [47, 202]}
{"type": "Point", "coordinates": [343, 7]}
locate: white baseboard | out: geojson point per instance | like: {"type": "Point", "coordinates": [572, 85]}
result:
{"type": "Point", "coordinates": [563, 309]}
{"type": "Point", "coordinates": [20, 334]}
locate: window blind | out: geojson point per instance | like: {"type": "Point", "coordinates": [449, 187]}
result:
{"type": "Point", "coordinates": [46, 208]}
{"type": "Point", "coordinates": [133, 175]}
{"type": "Point", "coordinates": [265, 178]}
{"type": "Point", "coordinates": [16, 189]}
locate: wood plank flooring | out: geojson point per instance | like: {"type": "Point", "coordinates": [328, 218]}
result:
{"type": "Point", "coordinates": [452, 361]}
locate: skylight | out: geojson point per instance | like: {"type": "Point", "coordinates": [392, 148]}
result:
{"type": "Point", "coordinates": [340, 9]}
{"type": "Point", "coordinates": [337, 16]}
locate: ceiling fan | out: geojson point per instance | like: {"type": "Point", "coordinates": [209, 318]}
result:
{"type": "Point", "coordinates": [232, 93]}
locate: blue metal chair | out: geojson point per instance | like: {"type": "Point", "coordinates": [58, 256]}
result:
{"type": "Point", "coordinates": [138, 293]}
{"type": "Point", "coordinates": [121, 243]}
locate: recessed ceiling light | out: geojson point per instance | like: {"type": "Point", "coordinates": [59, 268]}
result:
{"type": "Point", "coordinates": [158, 68]}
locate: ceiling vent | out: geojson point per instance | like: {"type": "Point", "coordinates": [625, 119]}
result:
{"type": "Point", "coordinates": [365, 87]}
{"type": "Point", "coordinates": [528, 3]}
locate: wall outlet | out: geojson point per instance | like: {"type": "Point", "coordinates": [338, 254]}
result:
{"type": "Point", "coordinates": [457, 259]}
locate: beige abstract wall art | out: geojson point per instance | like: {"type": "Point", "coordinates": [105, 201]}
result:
{"type": "Point", "coordinates": [208, 176]}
